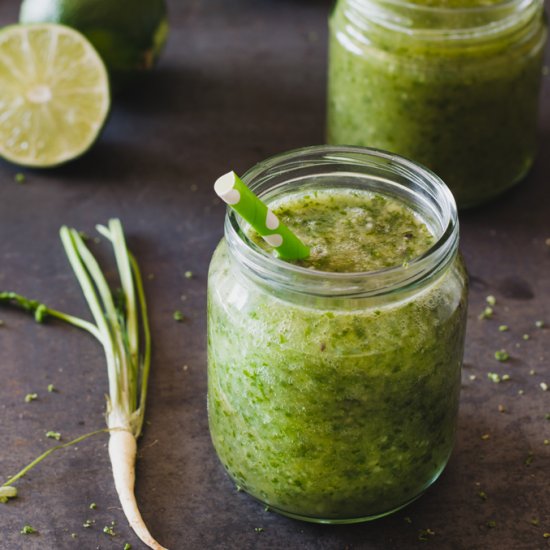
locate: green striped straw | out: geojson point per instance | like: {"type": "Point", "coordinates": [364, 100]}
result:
{"type": "Point", "coordinates": [233, 191]}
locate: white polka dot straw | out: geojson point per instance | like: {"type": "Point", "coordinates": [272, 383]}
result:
{"type": "Point", "coordinates": [232, 190]}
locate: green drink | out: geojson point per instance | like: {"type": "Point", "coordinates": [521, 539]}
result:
{"type": "Point", "coordinates": [334, 381]}
{"type": "Point", "coordinates": [453, 85]}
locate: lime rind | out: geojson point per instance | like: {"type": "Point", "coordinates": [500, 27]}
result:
{"type": "Point", "coordinates": [54, 97]}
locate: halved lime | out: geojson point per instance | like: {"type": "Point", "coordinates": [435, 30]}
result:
{"type": "Point", "coordinates": [54, 94]}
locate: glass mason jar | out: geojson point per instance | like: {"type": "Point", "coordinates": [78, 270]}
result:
{"type": "Point", "coordinates": [333, 397]}
{"type": "Point", "coordinates": [454, 88]}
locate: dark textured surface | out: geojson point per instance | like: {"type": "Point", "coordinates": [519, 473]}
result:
{"type": "Point", "coordinates": [241, 80]}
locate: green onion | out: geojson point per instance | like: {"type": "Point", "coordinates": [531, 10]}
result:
{"type": "Point", "coordinates": [122, 328]}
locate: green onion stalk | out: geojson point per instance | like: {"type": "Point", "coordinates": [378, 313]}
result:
{"type": "Point", "coordinates": [122, 328]}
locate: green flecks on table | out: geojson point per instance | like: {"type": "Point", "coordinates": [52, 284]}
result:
{"type": "Point", "coordinates": [487, 313]}
{"type": "Point", "coordinates": [108, 530]}
{"type": "Point", "coordinates": [502, 355]}
{"type": "Point", "coordinates": [424, 534]}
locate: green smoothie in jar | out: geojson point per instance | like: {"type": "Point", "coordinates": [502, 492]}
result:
{"type": "Point", "coordinates": [333, 381]}
{"type": "Point", "coordinates": [451, 84]}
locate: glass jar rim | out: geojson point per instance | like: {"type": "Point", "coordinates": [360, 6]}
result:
{"type": "Point", "coordinates": [449, 25]}
{"type": "Point", "coordinates": [267, 267]}
{"type": "Point", "coordinates": [487, 8]}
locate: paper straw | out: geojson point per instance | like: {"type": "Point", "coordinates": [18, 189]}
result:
{"type": "Point", "coordinates": [233, 191]}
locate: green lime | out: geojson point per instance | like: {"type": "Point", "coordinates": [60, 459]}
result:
{"type": "Point", "coordinates": [54, 97]}
{"type": "Point", "coordinates": [128, 34]}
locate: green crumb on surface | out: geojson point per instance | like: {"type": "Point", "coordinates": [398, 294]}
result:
{"type": "Point", "coordinates": [543, 386]}
{"type": "Point", "coordinates": [188, 274]}
{"type": "Point", "coordinates": [127, 546]}
{"type": "Point", "coordinates": [530, 458]}
{"type": "Point", "coordinates": [258, 529]}
{"type": "Point", "coordinates": [238, 488]}
{"type": "Point", "coordinates": [267, 509]}
{"type": "Point", "coordinates": [491, 300]}
{"type": "Point", "coordinates": [526, 337]}
{"type": "Point", "coordinates": [178, 316]}
{"type": "Point", "coordinates": [503, 328]}
{"type": "Point", "coordinates": [482, 495]}
{"type": "Point", "coordinates": [424, 534]}
{"type": "Point", "coordinates": [487, 313]}
{"type": "Point", "coordinates": [93, 506]}
{"type": "Point", "coordinates": [534, 521]}
{"type": "Point", "coordinates": [505, 377]}
{"type": "Point", "coordinates": [31, 397]}
{"type": "Point", "coordinates": [51, 388]}
{"type": "Point", "coordinates": [491, 524]}
{"type": "Point", "coordinates": [494, 377]}
{"type": "Point", "coordinates": [546, 442]}
{"type": "Point", "coordinates": [53, 435]}
{"type": "Point", "coordinates": [88, 523]}
{"type": "Point", "coordinates": [108, 530]}
{"type": "Point", "coordinates": [28, 530]}
{"type": "Point", "coordinates": [539, 324]}
{"type": "Point", "coordinates": [19, 177]}
{"type": "Point", "coordinates": [74, 535]}
{"type": "Point", "coordinates": [485, 437]}
{"type": "Point", "coordinates": [502, 355]}
{"type": "Point", "coordinates": [546, 535]}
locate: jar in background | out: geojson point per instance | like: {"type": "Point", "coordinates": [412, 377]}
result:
{"type": "Point", "coordinates": [454, 87]}
{"type": "Point", "coordinates": [333, 397]}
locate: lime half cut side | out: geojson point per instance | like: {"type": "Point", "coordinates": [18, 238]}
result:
{"type": "Point", "coordinates": [54, 94]}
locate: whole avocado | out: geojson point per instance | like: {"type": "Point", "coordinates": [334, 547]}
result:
{"type": "Point", "coordinates": [128, 34]}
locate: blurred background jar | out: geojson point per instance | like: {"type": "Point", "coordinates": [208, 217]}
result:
{"type": "Point", "coordinates": [452, 84]}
